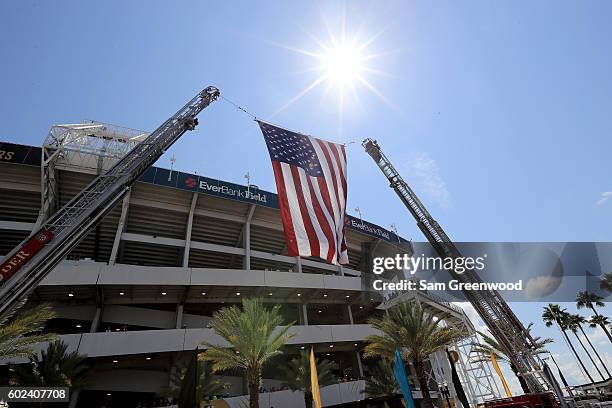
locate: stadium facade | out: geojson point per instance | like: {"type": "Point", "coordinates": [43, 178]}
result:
{"type": "Point", "coordinates": [137, 294]}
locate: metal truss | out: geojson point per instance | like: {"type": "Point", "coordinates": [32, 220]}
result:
{"type": "Point", "coordinates": [475, 374]}
{"type": "Point", "coordinates": [68, 226]}
{"type": "Point", "coordinates": [503, 324]}
{"type": "Point", "coordinates": [90, 147]}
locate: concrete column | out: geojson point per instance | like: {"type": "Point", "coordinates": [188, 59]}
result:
{"type": "Point", "coordinates": [179, 316]}
{"type": "Point", "coordinates": [74, 398]}
{"type": "Point", "coordinates": [359, 364]}
{"type": "Point", "coordinates": [298, 264]}
{"type": "Point", "coordinates": [350, 314]}
{"type": "Point", "coordinates": [340, 270]}
{"type": "Point", "coordinates": [247, 238]}
{"type": "Point", "coordinates": [444, 370]}
{"type": "Point", "coordinates": [120, 226]}
{"type": "Point", "coordinates": [172, 372]}
{"type": "Point", "coordinates": [303, 313]}
{"type": "Point", "coordinates": [95, 323]}
{"type": "Point", "coordinates": [194, 201]}
{"type": "Point", "coordinates": [247, 246]}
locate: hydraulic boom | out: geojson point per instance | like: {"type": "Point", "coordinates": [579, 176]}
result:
{"type": "Point", "coordinates": [492, 308]}
{"type": "Point", "coordinates": [25, 266]}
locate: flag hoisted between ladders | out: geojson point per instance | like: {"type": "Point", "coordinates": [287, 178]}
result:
{"type": "Point", "coordinates": [310, 176]}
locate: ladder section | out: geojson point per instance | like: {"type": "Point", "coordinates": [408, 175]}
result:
{"type": "Point", "coordinates": [492, 308]}
{"type": "Point", "coordinates": [36, 256]}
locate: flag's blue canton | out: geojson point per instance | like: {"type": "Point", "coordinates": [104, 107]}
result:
{"type": "Point", "coordinates": [292, 148]}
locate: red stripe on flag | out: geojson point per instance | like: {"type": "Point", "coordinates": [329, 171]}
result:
{"type": "Point", "coordinates": [340, 169]}
{"type": "Point", "coordinates": [315, 248]}
{"type": "Point", "coordinates": [343, 150]}
{"type": "Point", "coordinates": [332, 172]}
{"type": "Point", "coordinates": [326, 197]}
{"type": "Point", "coordinates": [292, 248]}
{"type": "Point", "coordinates": [331, 251]}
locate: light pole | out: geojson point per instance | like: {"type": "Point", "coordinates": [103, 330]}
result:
{"type": "Point", "coordinates": [358, 211]}
{"type": "Point", "coordinates": [247, 176]}
{"type": "Point", "coordinates": [172, 161]}
{"type": "Point", "coordinates": [394, 229]}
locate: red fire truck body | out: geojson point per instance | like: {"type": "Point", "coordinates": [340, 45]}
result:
{"type": "Point", "coordinates": [536, 400]}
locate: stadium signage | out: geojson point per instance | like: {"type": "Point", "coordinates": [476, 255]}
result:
{"type": "Point", "coordinates": [241, 193]}
{"type": "Point", "coordinates": [15, 153]}
{"type": "Point", "coordinates": [30, 155]}
{"type": "Point", "coordinates": [370, 229]}
{"type": "Point", "coordinates": [209, 186]}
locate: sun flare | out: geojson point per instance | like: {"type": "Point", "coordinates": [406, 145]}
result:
{"type": "Point", "coordinates": [342, 63]}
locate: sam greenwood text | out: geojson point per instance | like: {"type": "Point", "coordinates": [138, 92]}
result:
{"type": "Point", "coordinates": [441, 286]}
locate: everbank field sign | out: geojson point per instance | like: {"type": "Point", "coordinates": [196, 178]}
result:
{"type": "Point", "coordinates": [209, 186]}
{"type": "Point", "coordinates": [240, 192]}
{"type": "Point", "coordinates": [371, 229]}
{"type": "Point", "coordinates": [248, 194]}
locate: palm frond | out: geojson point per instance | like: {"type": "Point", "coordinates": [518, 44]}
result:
{"type": "Point", "coordinates": [381, 382]}
{"type": "Point", "coordinates": [56, 368]}
{"type": "Point", "coordinates": [20, 332]}
{"type": "Point", "coordinates": [606, 282]}
{"type": "Point", "coordinates": [588, 299]}
{"type": "Point", "coordinates": [297, 372]}
{"type": "Point", "coordinates": [255, 335]}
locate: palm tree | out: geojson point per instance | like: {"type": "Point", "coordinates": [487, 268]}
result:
{"type": "Point", "coordinates": [491, 346]}
{"type": "Point", "coordinates": [297, 375]}
{"type": "Point", "coordinates": [590, 300]}
{"type": "Point", "coordinates": [56, 368]}
{"type": "Point", "coordinates": [555, 314]}
{"type": "Point", "coordinates": [381, 382]}
{"type": "Point", "coordinates": [606, 282]}
{"type": "Point", "coordinates": [574, 323]}
{"type": "Point", "coordinates": [19, 332]}
{"type": "Point", "coordinates": [253, 338]}
{"type": "Point", "coordinates": [580, 321]}
{"type": "Point", "coordinates": [207, 384]}
{"type": "Point", "coordinates": [601, 321]}
{"type": "Point", "coordinates": [416, 333]}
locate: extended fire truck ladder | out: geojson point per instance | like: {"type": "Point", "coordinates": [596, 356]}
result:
{"type": "Point", "coordinates": [26, 265]}
{"type": "Point", "coordinates": [492, 308]}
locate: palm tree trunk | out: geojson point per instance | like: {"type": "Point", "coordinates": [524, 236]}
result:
{"type": "Point", "coordinates": [521, 380]}
{"type": "Point", "coordinates": [308, 399]}
{"type": "Point", "coordinates": [589, 355]}
{"type": "Point", "coordinates": [419, 367]}
{"type": "Point", "coordinates": [576, 355]}
{"type": "Point", "coordinates": [605, 329]}
{"type": "Point", "coordinates": [595, 350]}
{"type": "Point", "coordinates": [603, 326]}
{"type": "Point", "coordinates": [253, 381]}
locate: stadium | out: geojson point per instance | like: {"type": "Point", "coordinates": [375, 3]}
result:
{"type": "Point", "coordinates": [137, 294]}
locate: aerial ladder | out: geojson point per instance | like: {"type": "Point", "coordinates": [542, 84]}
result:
{"type": "Point", "coordinates": [26, 265]}
{"type": "Point", "coordinates": [492, 308]}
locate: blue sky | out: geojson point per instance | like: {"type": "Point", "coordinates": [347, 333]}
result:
{"type": "Point", "coordinates": [497, 113]}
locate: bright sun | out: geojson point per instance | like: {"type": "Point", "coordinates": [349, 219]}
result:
{"type": "Point", "coordinates": [343, 64]}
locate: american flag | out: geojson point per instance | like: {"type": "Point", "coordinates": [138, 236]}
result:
{"type": "Point", "coordinates": [310, 176]}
